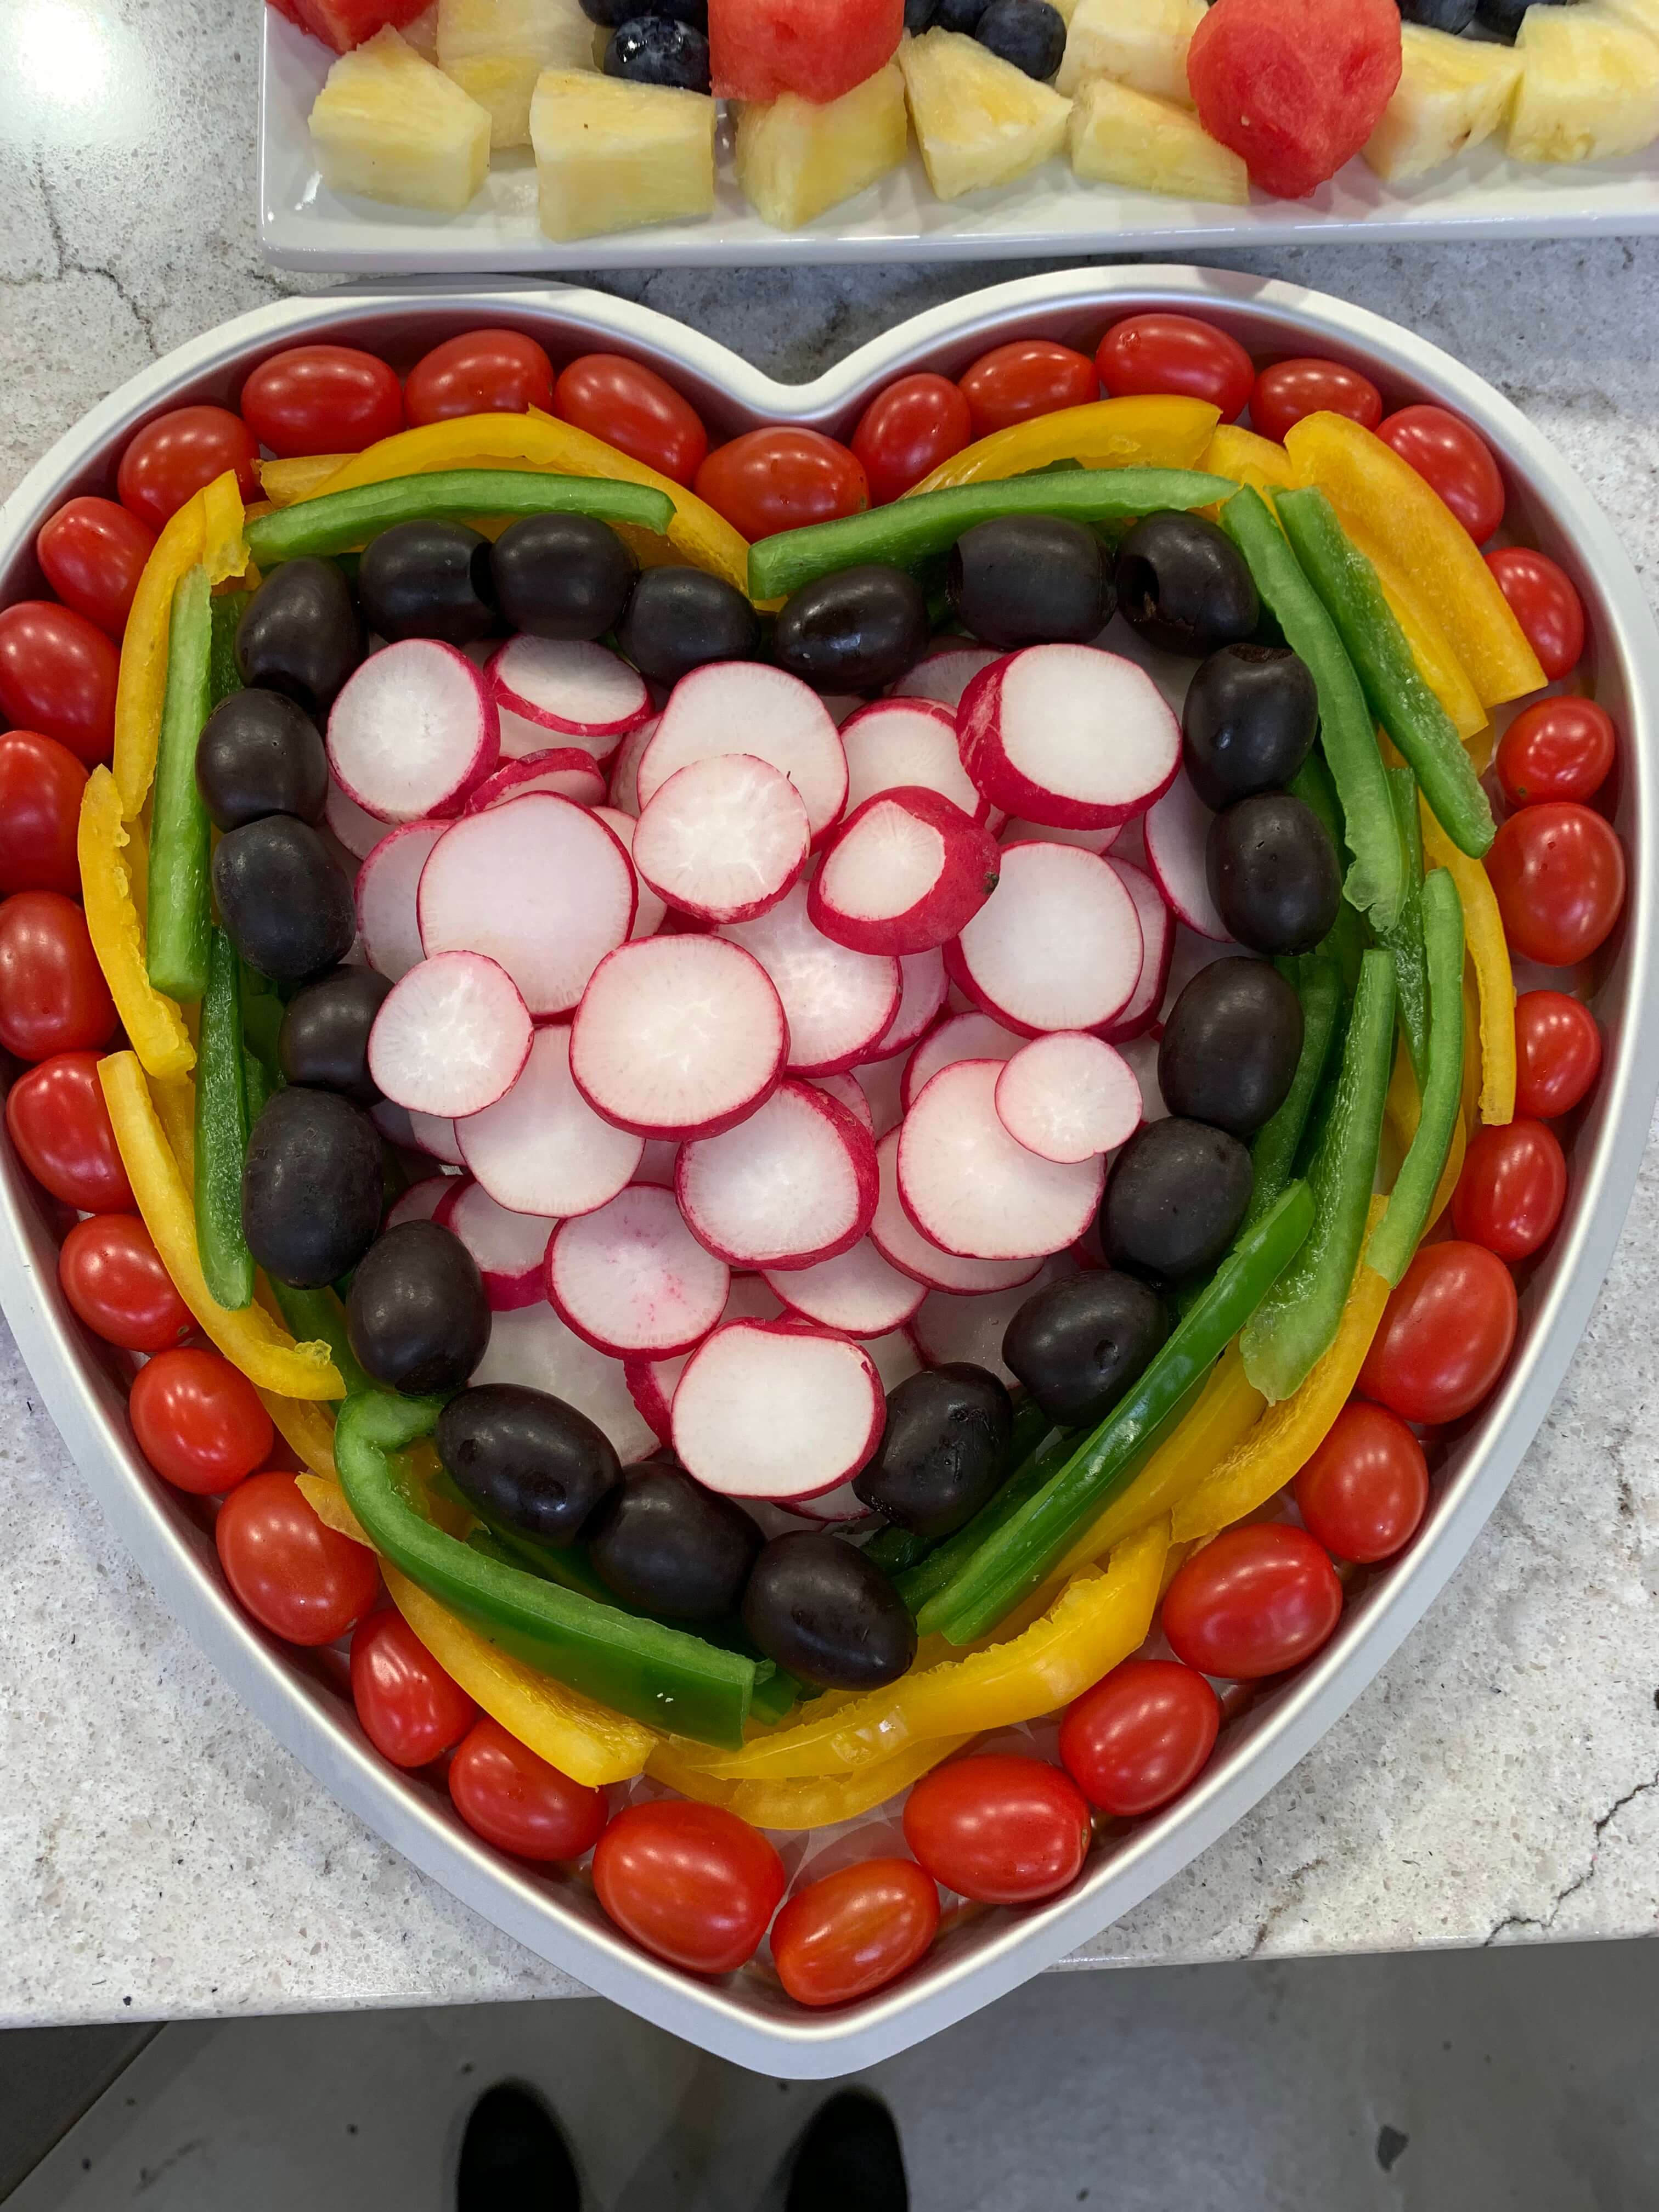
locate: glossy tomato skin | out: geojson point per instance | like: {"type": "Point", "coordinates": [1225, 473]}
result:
{"type": "Point", "coordinates": [1140, 1736]}
{"type": "Point", "coordinates": [1363, 1493]}
{"type": "Point", "coordinates": [691, 1883]}
{"type": "Point", "coordinates": [302, 1580]}
{"type": "Point", "coordinates": [782, 478]}
{"type": "Point", "coordinates": [855, 1931]}
{"type": "Point", "coordinates": [1558, 874]}
{"type": "Point", "coordinates": [57, 675]}
{"type": "Point", "coordinates": [112, 1276]}
{"type": "Point", "coordinates": [1176, 353]}
{"type": "Point", "coordinates": [1026, 377]}
{"type": "Point", "coordinates": [906, 431]}
{"type": "Point", "coordinates": [520, 1803]}
{"type": "Point", "coordinates": [199, 1422]}
{"type": "Point", "coordinates": [1312, 385]}
{"type": "Point", "coordinates": [92, 552]}
{"type": "Point", "coordinates": [57, 1118]}
{"type": "Point", "coordinates": [1453, 461]}
{"type": "Point", "coordinates": [410, 1709]}
{"type": "Point", "coordinates": [634, 410]}
{"type": "Point", "coordinates": [1557, 1053]}
{"type": "Point", "coordinates": [322, 399]}
{"type": "Point", "coordinates": [488, 372]}
{"type": "Point", "coordinates": [1513, 1188]}
{"type": "Point", "coordinates": [41, 786]}
{"type": "Point", "coordinates": [53, 997]}
{"type": "Point", "coordinates": [1555, 748]}
{"type": "Point", "coordinates": [1542, 598]}
{"type": "Point", "coordinates": [1446, 1335]}
{"type": "Point", "coordinates": [998, 1828]}
{"type": "Point", "coordinates": [170, 460]}
{"type": "Point", "coordinates": [1260, 1598]}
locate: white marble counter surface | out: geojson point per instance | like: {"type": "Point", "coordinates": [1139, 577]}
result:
{"type": "Point", "coordinates": [160, 1855]}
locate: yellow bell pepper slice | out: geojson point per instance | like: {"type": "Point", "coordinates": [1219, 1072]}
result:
{"type": "Point", "coordinates": [323, 1494]}
{"type": "Point", "coordinates": [1378, 494]}
{"type": "Point", "coordinates": [306, 1429]}
{"type": "Point", "coordinates": [110, 853]}
{"type": "Point", "coordinates": [1403, 1110]}
{"type": "Point", "coordinates": [1440, 670]}
{"type": "Point", "coordinates": [302, 477]}
{"type": "Point", "coordinates": [1249, 458]}
{"type": "Point", "coordinates": [1483, 927]}
{"type": "Point", "coordinates": [1161, 432]}
{"type": "Point", "coordinates": [814, 1802]}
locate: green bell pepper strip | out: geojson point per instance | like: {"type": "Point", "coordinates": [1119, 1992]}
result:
{"type": "Point", "coordinates": [1392, 683]}
{"type": "Point", "coordinates": [907, 530]}
{"type": "Point", "coordinates": [1376, 881]}
{"type": "Point", "coordinates": [1318, 976]}
{"type": "Point", "coordinates": [1298, 1318]}
{"type": "Point", "coordinates": [1011, 1563]}
{"type": "Point", "coordinates": [315, 1317]}
{"type": "Point", "coordinates": [1400, 1231]}
{"type": "Point", "coordinates": [1405, 940]}
{"type": "Point", "coordinates": [652, 1673]}
{"type": "Point", "coordinates": [943, 1565]}
{"type": "Point", "coordinates": [221, 1127]}
{"type": "Point", "coordinates": [223, 675]}
{"type": "Point", "coordinates": [900, 1550]}
{"type": "Point", "coordinates": [342, 519]}
{"type": "Point", "coordinates": [181, 836]}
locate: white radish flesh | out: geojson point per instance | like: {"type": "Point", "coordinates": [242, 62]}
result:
{"type": "Point", "coordinates": [388, 884]}
{"type": "Point", "coordinates": [742, 706]}
{"type": "Point", "coordinates": [723, 838]}
{"type": "Point", "coordinates": [1067, 1095]}
{"type": "Point", "coordinates": [578, 689]}
{"type": "Point", "coordinates": [1140, 1056]}
{"type": "Point", "coordinates": [858, 1291]}
{"type": "Point", "coordinates": [907, 741]}
{"type": "Point", "coordinates": [794, 1184]}
{"type": "Point", "coordinates": [1017, 832]}
{"type": "Point", "coordinates": [1056, 946]}
{"type": "Point", "coordinates": [1068, 734]}
{"type": "Point", "coordinates": [421, 1200]}
{"type": "Point", "coordinates": [625, 766]}
{"type": "Point", "coordinates": [678, 1036]}
{"type": "Point", "coordinates": [1177, 832]}
{"type": "Point", "coordinates": [882, 1083]}
{"type": "Point", "coordinates": [923, 988]}
{"type": "Point", "coordinates": [967, 1184]}
{"type": "Point", "coordinates": [533, 1347]}
{"type": "Point", "coordinates": [652, 1383]}
{"type": "Point", "coordinates": [435, 1134]}
{"type": "Point", "coordinates": [837, 1002]}
{"type": "Point", "coordinates": [958, 1036]}
{"type": "Point", "coordinates": [832, 1509]}
{"type": "Point", "coordinates": [771, 1410]}
{"type": "Point", "coordinates": [355, 827]}
{"type": "Point", "coordinates": [904, 874]}
{"type": "Point", "coordinates": [944, 673]}
{"type": "Point", "coordinates": [632, 1278]}
{"type": "Point", "coordinates": [451, 1035]}
{"type": "Point", "coordinates": [649, 911]}
{"type": "Point", "coordinates": [510, 1248]}
{"type": "Point", "coordinates": [413, 730]}
{"type": "Point", "coordinates": [541, 1149]}
{"type": "Point", "coordinates": [900, 1242]}
{"type": "Point", "coordinates": [657, 1163]}
{"type": "Point", "coordinates": [848, 1092]}
{"type": "Point", "coordinates": [896, 1356]}
{"type": "Point", "coordinates": [565, 770]}
{"type": "Point", "coordinates": [949, 1326]}
{"type": "Point", "coordinates": [1156, 944]}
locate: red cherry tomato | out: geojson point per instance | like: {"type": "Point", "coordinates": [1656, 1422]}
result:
{"type": "Point", "coordinates": [302, 1580]}
{"type": "Point", "coordinates": [1557, 1053]}
{"type": "Point", "coordinates": [1140, 1735]}
{"type": "Point", "coordinates": [1259, 1599]}
{"type": "Point", "coordinates": [1365, 1490]}
{"type": "Point", "coordinates": [692, 1883]}
{"type": "Point", "coordinates": [908, 430]}
{"type": "Point", "coordinates": [1025, 378]}
{"type": "Point", "coordinates": [999, 1828]}
{"type": "Point", "coordinates": [411, 1709]}
{"type": "Point", "coordinates": [1447, 1332]}
{"type": "Point", "coordinates": [92, 552]}
{"type": "Point", "coordinates": [520, 1803]}
{"type": "Point", "coordinates": [112, 1276]}
{"type": "Point", "coordinates": [634, 409]}
{"type": "Point", "coordinates": [199, 1422]}
{"type": "Point", "coordinates": [41, 786]}
{"type": "Point", "coordinates": [855, 1931]}
{"type": "Point", "coordinates": [1291, 389]}
{"type": "Point", "coordinates": [781, 479]}
{"type": "Point", "coordinates": [57, 1118]}
{"type": "Point", "coordinates": [53, 997]}
{"type": "Point", "coordinates": [1555, 748]}
{"type": "Point", "coordinates": [1454, 461]}
{"type": "Point", "coordinates": [1543, 601]}
{"type": "Point", "coordinates": [1558, 874]}
{"type": "Point", "coordinates": [1179, 353]}
{"type": "Point", "coordinates": [58, 673]}
{"type": "Point", "coordinates": [1513, 1188]}
{"type": "Point", "coordinates": [171, 458]}
{"type": "Point", "coordinates": [322, 399]}
{"type": "Point", "coordinates": [490, 372]}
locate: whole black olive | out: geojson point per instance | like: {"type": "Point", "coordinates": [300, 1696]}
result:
{"type": "Point", "coordinates": [428, 579]}
{"type": "Point", "coordinates": [678, 618]}
{"type": "Point", "coordinates": [665, 1544]}
{"type": "Point", "coordinates": [825, 1613]}
{"type": "Point", "coordinates": [526, 1459]}
{"type": "Point", "coordinates": [312, 1186]}
{"type": "Point", "coordinates": [854, 630]}
{"type": "Point", "coordinates": [283, 899]}
{"type": "Point", "coordinates": [1079, 1345]}
{"type": "Point", "coordinates": [416, 1313]}
{"type": "Point", "coordinates": [1250, 720]}
{"type": "Point", "coordinates": [260, 754]}
{"type": "Point", "coordinates": [1182, 585]}
{"type": "Point", "coordinates": [324, 1038]}
{"type": "Point", "coordinates": [1176, 1194]}
{"type": "Point", "coordinates": [1274, 872]}
{"type": "Point", "coordinates": [561, 576]}
{"type": "Point", "coordinates": [941, 1454]}
{"type": "Point", "coordinates": [299, 634]}
{"type": "Point", "coordinates": [1031, 579]}
{"type": "Point", "coordinates": [1230, 1046]}
{"type": "Point", "coordinates": [655, 50]}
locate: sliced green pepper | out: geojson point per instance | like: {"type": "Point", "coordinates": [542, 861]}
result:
{"type": "Point", "coordinates": [900, 1550]}
{"type": "Point", "coordinates": [1400, 1231]}
{"type": "Point", "coordinates": [1318, 976]}
{"type": "Point", "coordinates": [941, 1567]}
{"type": "Point", "coordinates": [318, 1317]}
{"type": "Point", "coordinates": [1405, 940]}
{"type": "Point", "coordinates": [342, 519]}
{"type": "Point", "coordinates": [223, 675]}
{"type": "Point", "coordinates": [221, 1127]}
{"type": "Point", "coordinates": [180, 835]}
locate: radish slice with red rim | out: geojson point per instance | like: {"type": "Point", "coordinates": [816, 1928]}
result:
{"type": "Point", "coordinates": [881, 1082]}
{"type": "Point", "coordinates": [958, 1036]}
{"type": "Point", "coordinates": [1068, 734]}
{"type": "Point", "coordinates": [896, 741]}
{"type": "Point", "coordinates": [793, 1184]}
{"type": "Point", "coordinates": [413, 730]}
{"type": "Point", "coordinates": [963, 1177]}
{"type": "Point", "coordinates": [1017, 832]}
{"type": "Point", "coordinates": [421, 1200]}
{"type": "Point", "coordinates": [848, 1092]}
{"type": "Point", "coordinates": [1177, 831]}
{"type": "Point", "coordinates": [632, 1278]}
{"type": "Point", "coordinates": [944, 673]}
{"type": "Point", "coordinates": [900, 1242]}
{"type": "Point", "coordinates": [580, 690]}
{"type": "Point", "coordinates": [897, 1356]}
{"type": "Point", "coordinates": [678, 1036]}
{"type": "Point", "coordinates": [1056, 946]}
{"type": "Point", "coordinates": [723, 838]}
{"type": "Point", "coordinates": [744, 706]}
{"type": "Point", "coordinates": [565, 770]}
{"type": "Point", "coordinates": [1140, 1055]}
{"type": "Point", "coordinates": [510, 1248]}
{"type": "Point", "coordinates": [1067, 1095]}
{"type": "Point", "coordinates": [949, 1326]}
{"type": "Point", "coordinates": [652, 1381]}
{"type": "Point", "coordinates": [657, 1163]}
{"type": "Point", "coordinates": [838, 1002]}
{"type": "Point", "coordinates": [923, 988]}
{"type": "Point", "coordinates": [541, 1149]}
{"type": "Point", "coordinates": [1156, 945]}
{"type": "Point", "coordinates": [625, 766]}
{"type": "Point", "coordinates": [773, 1411]}
{"type": "Point", "coordinates": [649, 911]}
{"type": "Point", "coordinates": [903, 874]}
{"type": "Point", "coordinates": [858, 1291]}
{"type": "Point", "coordinates": [435, 1134]}
{"type": "Point", "coordinates": [388, 884]}
{"type": "Point", "coordinates": [450, 1036]}
{"type": "Point", "coordinates": [533, 1347]}
{"type": "Point", "coordinates": [353, 826]}
{"type": "Point", "coordinates": [832, 1509]}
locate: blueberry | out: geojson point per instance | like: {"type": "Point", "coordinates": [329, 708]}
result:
{"type": "Point", "coordinates": [608, 14]}
{"type": "Point", "coordinates": [1503, 17]}
{"type": "Point", "coordinates": [1439, 14]}
{"type": "Point", "coordinates": [1030, 34]}
{"type": "Point", "coordinates": [918, 15]}
{"type": "Point", "coordinates": [958, 14]}
{"type": "Point", "coordinates": [651, 50]}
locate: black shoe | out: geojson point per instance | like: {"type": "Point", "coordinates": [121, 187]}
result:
{"type": "Point", "coordinates": [848, 2158]}
{"type": "Point", "coordinates": [514, 2158]}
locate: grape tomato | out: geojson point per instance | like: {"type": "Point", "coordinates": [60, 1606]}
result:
{"type": "Point", "coordinates": [692, 1883]}
{"type": "Point", "coordinates": [1542, 598]}
{"type": "Point", "coordinates": [1287, 390]}
{"type": "Point", "coordinates": [1455, 462]}
{"type": "Point", "coordinates": [1558, 873]}
{"type": "Point", "coordinates": [170, 460]}
{"type": "Point", "coordinates": [1260, 1598]}
{"type": "Point", "coordinates": [1026, 378]}
{"type": "Point", "coordinates": [635, 410]}
{"type": "Point", "coordinates": [854, 1930]}
{"type": "Point", "coordinates": [490, 372]}
{"type": "Point", "coordinates": [1365, 1491]}
{"type": "Point", "coordinates": [782, 478]}
{"type": "Point", "coordinates": [1557, 1053]}
{"type": "Point", "coordinates": [1140, 1736]}
{"type": "Point", "coordinates": [410, 1709]}
{"type": "Point", "coordinates": [199, 1422]}
{"type": "Point", "coordinates": [114, 1280]}
{"type": "Point", "coordinates": [57, 676]}
{"type": "Point", "coordinates": [518, 1803]}
{"type": "Point", "coordinates": [1445, 1336]}
{"type": "Point", "coordinates": [53, 997]}
{"type": "Point", "coordinates": [303, 1580]}
{"type": "Point", "coordinates": [92, 552]}
{"type": "Point", "coordinates": [906, 431]}
{"type": "Point", "coordinates": [322, 399]}
{"type": "Point", "coordinates": [1555, 748]}
{"type": "Point", "coordinates": [57, 1118]}
{"type": "Point", "coordinates": [1513, 1188]}
{"type": "Point", "coordinates": [1156, 353]}
{"type": "Point", "coordinates": [999, 1828]}
{"type": "Point", "coordinates": [41, 786]}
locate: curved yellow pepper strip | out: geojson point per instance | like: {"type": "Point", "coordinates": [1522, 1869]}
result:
{"type": "Point", "coordinates": [306, 1429]}
{"type": "Point", "coordinates": [286, 482]}
{"type": "Point", "coordinates": [1483, 928]}
{"type": "Point", "coordinates": [323, 1494]}
{"type": "Point", "coordinates": [111, 854]}
{"type": "Point", "coordinates": [1247, 458]}
{"type": "Point", "coordinates": [1161, 432]}
{"type": "Point", "coordinates": [816, 1800]}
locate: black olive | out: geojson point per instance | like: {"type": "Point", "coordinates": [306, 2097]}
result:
{"type": "Point", "coordinates": [312, 1186]}
{"type": "Point", "coordinates": [1176, 1194]}
{"type": "Point", "coordinates": [428, 579]}
{"type": "Point", "coordinates": [1249, 723]}
{"type": "Point", "coordinates": [1182, 584]}
{"type": "Point", "coordinates": [669, 1546]}
{"type": "Point", "coordinates": [283, 898]}
{"type": "Point", "coordinates": [416, 1313]}
{"type": "Point", "coordinates": [1079, 1345]}
{"type": "Point", "coordinates": [324, 1038]}
{"type": "Point", "coordinates": [299, 634]}
{"type": "Point", "coordinates": [1031, 579]}
{"type": "Point", "coordinates": [655, 50]}
{"type": "Point", "coordinates": [854, 630]}
{"type": "Point", "coordinates": [676, 619]}
{"type": "Point", "coordinates": [561, 576]}
{"type": "Point", "coordinates": [942, 1452]}
{"type": "Point", "coordinates": [260, 754]}
{"type": "Point", "coordinates": [526, 1459]}
{"type": "Point", "coordinates": [1230, 1046]}
{"type": "Point", "coordinates": [609, 13]}
{"type": "Point", "coordinates": [825, 1613]}
{"type": "Point", "coordinates": [1028, 33]}
{"type": "Point", "coordinates": [1274, 872]}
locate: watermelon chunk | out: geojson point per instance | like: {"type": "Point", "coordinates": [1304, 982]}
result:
{"type": "Point", "coordinates": [760, 49]}
{"type": "Point", "coordinates": [343, 24]}
{"type": "Point", "coordinates": [1294, 86]}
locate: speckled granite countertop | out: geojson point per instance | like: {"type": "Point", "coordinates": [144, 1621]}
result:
{"type": "Point", "coordinates": [160, 1855]}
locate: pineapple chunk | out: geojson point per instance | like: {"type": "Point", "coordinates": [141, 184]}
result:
{"type": "Point", "coordinates": [795, 159]}
{"type": "Point", "coordinates": [1452, 92]}
{"type": "Point", "coordinates": [497, 49]}
{"type": "Point", "coordinates": [389, 126]}
{"type": "Point", "coordinates": [1121, 137]}
{"type": "Point", "coordinates": [610, 156]}
{"type": "Point", "coordinates": [1589, 87]}
{"type": "Point", "coordinates": [1640, 15]}
{"type": "Point", "coordinates": [423, 33]}
{"type": "Point", "coordinates": [1141, 43]}
{"type": "Point", "coordinates": [980, 120]}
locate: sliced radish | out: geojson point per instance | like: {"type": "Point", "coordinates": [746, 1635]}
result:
{"type": "Point", "coordinates": [881, 1081]}
{"type": "Point", "coordinates": [1157, 936]}
{"type": "Point", "coordinates": [944, 673]}
{"type": "Point", "coordinates": [580, 690]}
{"type": "Point", "coordinates": [1068, 734]}
{"type": "Point", "coordinates": [421, 1200]}
{"type": "Point", "coordinates": [832, 1509]}
{"type": "Point", "coordinates": [1177, 832]}
{"type": "Point", "coordinates": [536, 882]}
{"type": "Point", "coordinates": [451, 1035]}
{"type": "Point", "coordinates": [533, 1347]}
{"type": "Point", "coordinates": [387, 883]}
{"type": "Point", "coordinates": [723, 838]}
{"type": "Point", "coordinates": [1191, 952]}
{"type": "Point", "coordinates": [895, 1355]}
{"type": "Point", "coordinates": [904, 874]}
{"type": "Point", "coordinates": [631, 1277]}
{"type": "Point", "coordinates": [657, 1163]}
{"type": "Point", "coordinates": [858, 1291]}
{"type": "Point", "coordinates": [652, 1381]}
{"type": "Point", "coordinates": [1056, 946]}
{"type": "Point", "coordinates": [907, 741]}
{"type": "Point", "coordinates": [1140, 1055]}
{"type": "Point", "coordinates": [958, 1036]}
{"type": "Point", "coordinates": [963, 1177]}
{"type": "Point", "coordinates": [838, 1002]}
{"type": "Point", "coordinates": [678, 1036]}
{"type": "Point", "coordinates": [900, 1242]}
{"type": "Point", "coordinates": [397, 1125]}
{"type": "Point", "coordinates": [923, 988]}
{"type": "Point", "coordinates": [1068, 1095]}
{"type": "Point", "coordinates": [509, 1247]}
{"type": "Point", "coordinates": [794, 1184]}
{"type": "Point", "coordinates": [413, 730]}
{"type": "Point", "coordinates": [356, 829]}
{"type": "Point", "coordinates": [771, 1410]}
{"type": "Point", "coordinates": [742, 706]}
{"type": "Point", "coordinates": [625, 766]}
{"type": "Point", "coordinates": [848, 1092]}
{"type": "Point", "coordinates": [435, 1134]}
{"type": "Point", "coordinates": [649, 912]}
{"type": "Point", "coordinates": [1016, 832]}
{"type": "Point", "coordinates": [566, 770]}
{"type": "Point", "coordinates": [950, 1326]}
{"type": "Point", "coordinates": [541, 1149]}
